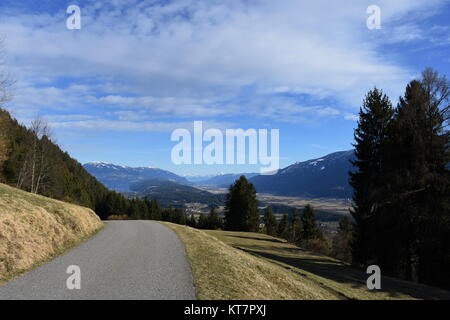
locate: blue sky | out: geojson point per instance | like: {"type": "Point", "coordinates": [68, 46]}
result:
{"type": "Point", "coordinates": [116, 89]}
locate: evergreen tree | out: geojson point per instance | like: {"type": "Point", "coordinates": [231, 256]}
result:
{"type": "Point", "coordinates": [270, 222]}
{"type": "Point", "coordinates": [192, 222]}
{"type": "Point", "coordinates": [295, 227]}
{"type": "Point", "coordinates": [367, 180]}
{"type": "Point", "coordinates": [342, 242]}
{"type": "Point", "coordinates": [203, 222]}
{"type": "Point", "coordinates": [134, 211]}
{"type": "Point", "coordinates": [179, 216]}
{"type": "Point", "coordinates": [418, 186]}
{"type": "Point", "coordinates": [283, 227]}
{"type": "Point", "coordinates": [241, 208]}
{"type": "Point", "coordinates": [213, 220]}
{"type": "Point", "coordinates": [310, 230]}
{"type": "Point", "coordinates": [155, 210]}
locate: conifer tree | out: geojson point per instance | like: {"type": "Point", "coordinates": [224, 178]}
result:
{"type": "Point", "coordinates": [203, 222]}
{"type": "Point", "coordinates": [419, 186]}
{"type": "Point", "coordinates": [192, 222]}
{"type": "Point", "coordinates": [343, 239]}
{"type": "Point", "coordinates": [241, 208]}
{"type": "Point", "coordinates": [213, 220]}
{"type": "Point", "coordinates": [283, 227]}
{"type": "Point", "coordinates": [270, 222]}
{"type": "Point", "coordinates": [367, 179]}
{"type": "Point", "coordinates": [310, 230]}
{"type": "Point", "coordinates": [295, 227]}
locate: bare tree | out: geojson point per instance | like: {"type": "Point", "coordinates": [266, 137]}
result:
{"type": "Point", "coordinates": [438, 87]}
{"type": "Point", "coordinates": [39, 152]}
{"type": "Point", "coordinates": [43, 156]}
{"type": "Point", "coordinates": [36, 164]}
{"type": "Point", "coordinates": [6, 83]}
{"type": "Point", "coordinates": [6, 79]}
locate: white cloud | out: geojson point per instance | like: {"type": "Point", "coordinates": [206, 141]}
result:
{"type": "Point", "coordinates": [352, 117]}
{"type": "Point", "coordinates": [192, 58]}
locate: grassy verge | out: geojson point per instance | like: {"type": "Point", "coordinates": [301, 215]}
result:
{"type": "Point", "coordinates": [223, 272]}
{"type": "Point", "coordinates": [239, 265]}
{"type": "Point", "coordinates": [34, 229]}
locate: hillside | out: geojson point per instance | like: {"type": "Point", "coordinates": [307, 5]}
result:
{"type": "Point", "coordinates": [240, 265]}
{"type": "Point", "coordinates": [325, 177]}
{"type": "Point", "coordinates": [120, 178]}
{"type": "Point", "coordinates": [34, 228]}
{"type": "Point", "coordinates": [27, 157]}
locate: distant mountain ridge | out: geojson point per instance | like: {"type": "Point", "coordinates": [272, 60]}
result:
{"type": "Point", "coordinates": [325, 177]}
{"type": "Point", "coordinates": [225, 179]}
{"type": "Point", "coordinates": [120, 178]}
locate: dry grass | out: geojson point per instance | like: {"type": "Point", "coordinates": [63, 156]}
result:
{"type": "Point", "coordinates": [239, 265]}
{"type": "Point", "coordinates": [34, 229]}
{"type": "Point", "coordinates": [329, 273]}
{"type": "Point", "coordinates": [223, 272]}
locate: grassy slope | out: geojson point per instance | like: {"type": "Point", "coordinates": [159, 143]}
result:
{"type": "Point", "coordinates": [34, 229]}
{"type": "Point", "coordinates": [238, 265]}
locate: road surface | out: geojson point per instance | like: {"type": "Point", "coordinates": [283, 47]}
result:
{"type": "Point", "coordinates": [126, 260]}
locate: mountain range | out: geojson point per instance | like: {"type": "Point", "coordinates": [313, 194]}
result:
{"type": "Point", "coordinates": [120, 178]}
{"type": "Point", "coordinates": [325, 177]}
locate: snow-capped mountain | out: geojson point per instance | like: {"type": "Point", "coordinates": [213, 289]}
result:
{"type": "Point", "coordinates": [120, 178]}
{"type": "Point", "coordinates": [322, 177]}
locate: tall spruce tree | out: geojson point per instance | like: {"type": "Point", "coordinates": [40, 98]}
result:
{"type": "Point", "coordinates": [283, 227]}
{"type": "Point", "coordinates": [310, 230]}
{"type": "Point", "coordinates": [295, 227]}
{"type": "Point", "coordinates": [270, 222]}
{"type": "Point", "coordinates": [342, 241]}
{"type": "Point", "coordinates": [213, 220]}
{"type": "Point", "coordinates": [419, 183]}
{"type": "Point", "coordinates": [367, 179]}
{"type": "Point", "coordinates": [241, 207]}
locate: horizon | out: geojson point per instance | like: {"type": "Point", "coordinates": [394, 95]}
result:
{"type": "Point", "coordinates": [114, 90]}
{"type": "Point", "coordinates": [205, 175]}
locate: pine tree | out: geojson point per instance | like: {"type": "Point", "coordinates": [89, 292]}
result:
{"type": "Point", "coordinates": [203, 222]}
{"type": "Point", "coordinates": [179, 216]}
{"type": "Point", "coordinates": [343, 239]}
{"type": "Point", "coordinates": [270, 222]}
{"type": "Point", "coordinates": [419, 184]}
{"type": "Point", "coordinates": [155, 210]}
{"type": "Point", "coordinates": [241, 208]}
{"type": "Point", "coordinates": [192, 222]}
{"type": "Point", "coordinates": [213, 220]}
{"type": "Point", "coordinates": [310, 230]}
{"type": "Point", "coordinates": [295, 227]}
{"type": "Point", "coordinates": [367, 180]}
{"type": "Point", "coordinates": [283, 227]}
